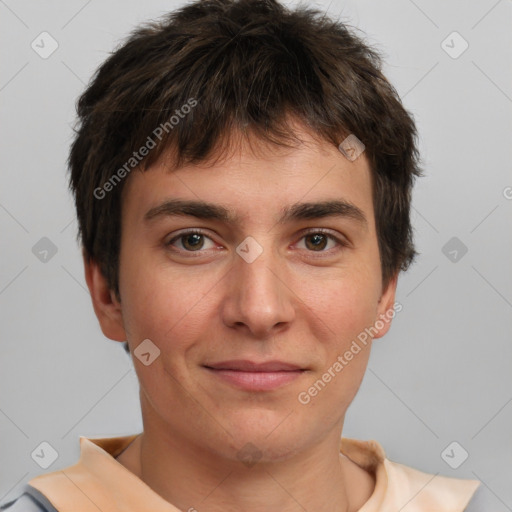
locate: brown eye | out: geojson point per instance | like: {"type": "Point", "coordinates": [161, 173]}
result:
{"type": "Point", "coordinates": [191, 241]}
{"type": "Point", "coordinates": [322, 242]}
{"type": "Point", "coordinates": [317, 241]}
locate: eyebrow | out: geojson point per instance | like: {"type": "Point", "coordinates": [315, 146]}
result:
{"type": "Point", "coordinates": [294, 212]}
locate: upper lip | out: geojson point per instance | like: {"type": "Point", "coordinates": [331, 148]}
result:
{"type": "Point", "coordinates": [244, 365]}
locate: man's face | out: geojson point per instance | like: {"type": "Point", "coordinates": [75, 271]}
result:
{"type": "Point", "coordinates": [215, 295]}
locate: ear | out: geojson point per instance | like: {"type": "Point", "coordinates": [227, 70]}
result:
{"type": "Point", "coordinates": [106, 306]}
{"type": "Point", "coordinates": [386, 308]}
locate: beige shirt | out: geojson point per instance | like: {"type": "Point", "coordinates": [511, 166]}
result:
{"type": "Point", "coordinates": [99, 482]}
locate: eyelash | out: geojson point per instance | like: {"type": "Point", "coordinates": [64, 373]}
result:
{"type": "Point", "coordinates": [197, 231]}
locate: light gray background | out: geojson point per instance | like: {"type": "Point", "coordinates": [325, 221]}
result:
{"type": "Point", "coordinates": [442, 374]}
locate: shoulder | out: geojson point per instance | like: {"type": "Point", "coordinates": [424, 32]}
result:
{"type": "Point", "coordinates": [31, 500]}
{"type": "Point", "coordinates": [23, 504]}
{"type": "Point", "coordinates": [398, 486]}
{"type": "Point", "coordinates": [425, 491]}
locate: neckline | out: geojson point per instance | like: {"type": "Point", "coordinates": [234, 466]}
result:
{"type": "Point", "coordinates": [368, 455]}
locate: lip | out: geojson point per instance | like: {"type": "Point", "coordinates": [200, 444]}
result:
{"type": "Point", "coordinates": [245, 365]}
{"type": "Point", "coordinates": [253, 376]}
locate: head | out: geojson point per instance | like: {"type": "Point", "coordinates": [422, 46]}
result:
{"type": "Point", "coordinates": [243, 105]}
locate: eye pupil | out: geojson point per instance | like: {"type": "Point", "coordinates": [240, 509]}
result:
{"type": "Point", "coordinates": [197, 241]}
{"type": "Point", "coordinates": [318, 240]}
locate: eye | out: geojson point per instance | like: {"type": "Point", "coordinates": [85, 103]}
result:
{"type": "Point", "coordinates": [318, 240]}
{"type": "Point", "coordinates": [190, 241]}
{"type": "Point", "coordinates": [196, 240]}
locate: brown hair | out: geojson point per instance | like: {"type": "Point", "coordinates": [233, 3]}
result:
{"type": "Point", "coordinates": [214, 67]}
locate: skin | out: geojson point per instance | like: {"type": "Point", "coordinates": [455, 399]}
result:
{"type": "Point", "coordinates": [295, 302]}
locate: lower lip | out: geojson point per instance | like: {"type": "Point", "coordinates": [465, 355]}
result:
{"type": "Point", "coordinates": [257, 381]}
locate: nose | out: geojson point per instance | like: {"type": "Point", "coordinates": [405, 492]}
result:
{"type": "Point", "coordinates": [257, 298]}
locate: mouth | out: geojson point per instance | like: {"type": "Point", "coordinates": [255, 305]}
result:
{"type": "Point", "coordinates": [252, 376]}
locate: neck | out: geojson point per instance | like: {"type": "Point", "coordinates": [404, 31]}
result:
{"type": "Point", "coordinates": [192, 478]}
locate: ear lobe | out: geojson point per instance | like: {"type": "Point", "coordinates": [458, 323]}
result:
{"type": "Point", "coordinates": [105, 304]}
{"type": "Point", "coordinates": [385, 309]}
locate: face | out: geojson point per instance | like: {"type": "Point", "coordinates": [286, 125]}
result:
{"type": "Point", "coordinates": [252, 296]}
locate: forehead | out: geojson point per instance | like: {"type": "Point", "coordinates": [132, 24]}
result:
{"type": "Point", "coordinates": [251, 177]}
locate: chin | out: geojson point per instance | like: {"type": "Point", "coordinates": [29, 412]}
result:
{"type": "Point", "coordinates": [270, 436]}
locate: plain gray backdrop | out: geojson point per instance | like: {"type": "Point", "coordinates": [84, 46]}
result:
{"type": "Point", "coordinates": [442, 375]}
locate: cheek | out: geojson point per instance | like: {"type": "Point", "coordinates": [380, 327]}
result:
{"type": "Point", "coordinates": [347, 307]}
{"type": "Point", "coordinates": [159, 306]}
{"type": "Point", "coordinates": [348, 311]}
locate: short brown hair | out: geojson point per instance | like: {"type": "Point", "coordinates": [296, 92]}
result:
{"type": "Point", "coordinates": [243, 65]}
